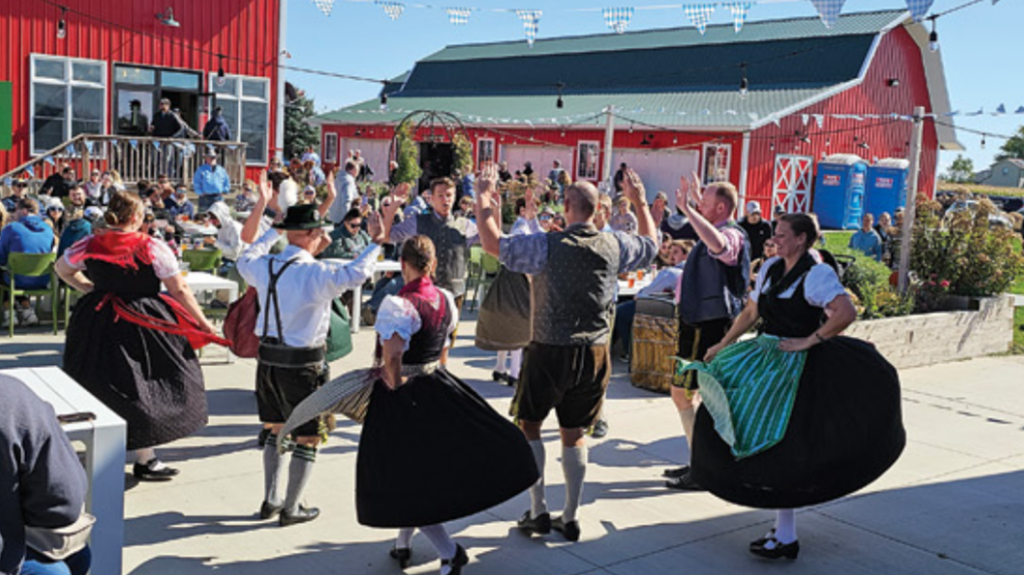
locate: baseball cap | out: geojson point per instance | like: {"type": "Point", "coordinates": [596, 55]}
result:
{"type": "Point", "coordinates": [93, 213]}
{"type": "Point", "coordinates": [753, 207]}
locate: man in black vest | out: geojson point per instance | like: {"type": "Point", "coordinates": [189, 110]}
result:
{"type": "Point", "coordinates": [452, 236]}
{"type": "Point", "coordinates": [713, 290]}
{"type": "Point", "coordinates": [566, 366]}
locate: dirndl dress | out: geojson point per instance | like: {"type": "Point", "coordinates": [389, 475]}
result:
{"type": "Point", "coordinates": [782, 429]}
{"type": "Point", "coordinates": [432, 450]}
{"type": "Point", "coordinates": [130, 346]}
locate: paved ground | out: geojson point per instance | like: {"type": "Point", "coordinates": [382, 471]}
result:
{"type": "Point", "coordinates": [954, 503]}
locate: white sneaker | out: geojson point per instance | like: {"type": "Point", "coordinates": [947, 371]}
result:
{"type": "Point", "coordinates": [7, 319]}
{"type": "Point", "coordinates": [27, 317]}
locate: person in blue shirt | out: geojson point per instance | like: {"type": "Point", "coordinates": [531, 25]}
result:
{"type": "Point", "coordinates": [28, 234]}
{"type": "Point", "coordinates": [18, 189]}
{"type": "Point", "coordinates": [211, 182]}
{"type": "Point", "coordinates": [179, 205]}
{"type": "Point", "coordinates": [867, 240]}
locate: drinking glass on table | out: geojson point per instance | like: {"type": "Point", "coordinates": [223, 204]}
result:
{"type": "Point", "coordinates": [185, 268]}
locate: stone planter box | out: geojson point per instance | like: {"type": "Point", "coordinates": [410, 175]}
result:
{"type": "Point", "coordinates": [930, 338]}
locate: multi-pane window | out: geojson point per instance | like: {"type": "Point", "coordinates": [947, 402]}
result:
{"type": "Point", "coordinates": [589, 154]}
{"type": "Point", "coordinates": [246, 104]}
{"type": "Point", "coordinates": [68, 99]}
{"type": "Point", "coordinates": [484, 151]}
{"type": "Point", "coordinates": [716, 162]}
{"type": "Point", "coordinates": [329, 153]}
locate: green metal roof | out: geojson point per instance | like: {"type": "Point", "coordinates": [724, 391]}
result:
{"type": "Point", "coordinates": [764, 30]}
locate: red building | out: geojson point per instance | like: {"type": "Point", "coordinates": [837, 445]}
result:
{"type": "Point", "coordinates": [677, 103]}
{"type": "Point", "coordinates": [78, 67]}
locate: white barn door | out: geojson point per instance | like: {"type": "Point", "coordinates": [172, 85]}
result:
{"type": "Point", "coordinates": [794, 177]}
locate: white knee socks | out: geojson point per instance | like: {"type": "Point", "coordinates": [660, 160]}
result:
{"type": "Point", "coordinates": [538, 505]}
{"type": "Point", "coordinates": [404, 539]}
{"type": "Point", "coordinates": [688, 417]}
{"type": "Point", "coordinates": [785, 525]}
{"type": "Point", "coordinates": [500, 365]}
{"type": "Point", "coordinates": [574, 467]}
{"type": "Point", "coordinates": [442, 543]}
{"type": "Point", "coordinates": [515, 363]}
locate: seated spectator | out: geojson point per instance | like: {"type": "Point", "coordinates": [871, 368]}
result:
{"type": "Point", "coordinates": [348, 239]}
{"type": "Point", "coordinates": [55, 217]}
{"type": "Point", "coordinates": [770, 251]}
{"type": "Point", "coordinates": [42, 483]}
{"type": "Point", "coordinates": [77, 228]}
{"type": "Point", "coordinates": [666, 283]}
{"type": "Point", "coordinates": [866, 240]}
{"type": "Point", "coordinates": [94, 187]}
{"type": "Point", "coordinates": [79, 199]}
{"type": "Point", "coordinates": [888, 234]}
{"type": "Point", "coordinates": [246, 198]}
{"type": "Point", "coordinates": [229, 232]}
{"type": "Point", "coordinates": [659, 209]}
{"type": "Point", "coordinates": [58, 183]}
{"type": "Point", "coordinates": [466, 209]}
{"type": "Point", "coordinates": [546, 218]}
{"type": "Point", "coordinates": [179, 205]}
{"type": "Point", "coordinates": [28, 233]}
{"type": "Point", "coordinates": [18, 189]}
{"type": "Point", "coordinates": [664, 258]}
{"type": "Point", "coordinates": [623, 220]}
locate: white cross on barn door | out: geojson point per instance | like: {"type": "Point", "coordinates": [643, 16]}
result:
{"type": "Point", "coordinates": [791, 188]}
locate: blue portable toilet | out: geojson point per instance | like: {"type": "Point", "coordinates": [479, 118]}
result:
{"type": "Point", "coordinates": [839, 191]}
{"type": "Point", "coordinates": [887, 186]}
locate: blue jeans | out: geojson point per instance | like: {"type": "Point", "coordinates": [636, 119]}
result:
{"type": "Point", "coordinates": [207, 200]}
{"type": "Point", "coordinates": [385, 287]}
{"type": "Point", "coordinates": [623, 330]}
{"type": "Point", "coordinates": [77, 564]}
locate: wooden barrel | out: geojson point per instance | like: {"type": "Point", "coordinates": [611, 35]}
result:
{"type": "Point", "coordinates": [655, 339]}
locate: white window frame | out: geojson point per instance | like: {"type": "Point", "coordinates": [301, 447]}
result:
{"type": "Point", "coordinates": [494, 150]}
{"type": "Point", "coordinates": [704, 161]}
{"type": "Point", "coordinates": [69, 82]}
{"type": "Point", "coordinates": [238, 97]}
{"type": "Point", "coordinates": [580, 175]}
{"type": "Point", "coordinates": [324, 156]}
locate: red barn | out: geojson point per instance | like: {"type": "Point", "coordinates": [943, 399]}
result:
{"type": "Point", "coordinates": [100, 67]}
{"type": "Point", "coordinates": [677, 103]}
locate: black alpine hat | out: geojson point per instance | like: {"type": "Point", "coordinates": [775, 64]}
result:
{"type": "Point", "coordinates": [302, 217]}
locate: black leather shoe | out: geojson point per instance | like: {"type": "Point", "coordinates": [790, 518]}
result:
{"type": "Point", "coordinates": [401, 554]}
{"type": "Point", "coordinates": [760, 542]}
{"type": "Point", "coordinates": [148, 472]}
{"type": "Point", "coordinates": [512, 381]}
{"type": "Point", "coordinates": [684, 483]}
{"type": "Point", "coordinates": [772, 549]}
{"type": "Point", "coordinates": [676, 472]}
{"type": "Point", "coordinates": [268, 511]}
{"type": "Point", "coordinates": [498, 376]}
{"type": "Point", "coordinates": [456, 563]}
{"type": "Point", "coordinates": [541, 524]}
{"type": "Point", "coordinates": [303, 515]}
{"type": "Point", "coordinates": [571, 530]}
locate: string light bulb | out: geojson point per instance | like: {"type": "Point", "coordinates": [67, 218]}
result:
{"type": "Point", "coordinates": [933, 38]}
{"type": "Point", "coordinates": [559, 103]}
{"type": "Point", "coordinates": [744, 82]}
{"type": "Point", "coordinates": [62, 25]}
{"type": "Point", "coordinates": [983, 141]}
{"type": "Point", "coordinates": [383, 101]}
{"type": "Point", "coordinates": [220, 70]}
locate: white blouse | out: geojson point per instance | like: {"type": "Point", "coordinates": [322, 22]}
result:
{"type": "Point", "coordinates": [397, 316]}
{"type": "Point", "coordinates": [821, 284]}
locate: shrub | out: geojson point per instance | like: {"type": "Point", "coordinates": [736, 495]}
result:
{"type": "Point", "coordinates": [869, 281]}
{"type": "Point", "coordinates": [408, 157]}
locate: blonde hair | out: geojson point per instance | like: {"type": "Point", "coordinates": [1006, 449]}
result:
{"type": "Point", "coordinates": [122, 208]}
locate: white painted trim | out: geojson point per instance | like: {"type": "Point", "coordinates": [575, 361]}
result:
{"type": "Point", "coordinates": [744, 167]}
{"type": "Point", "coordinates": [282, 36]}
{"type": "Point", "coordinates": [238, 97]}
{"type": "Point", "coordinates": [67, 83]}
{"type": "Point", "coordinates": [704, 160]}
{"type": "Point", "coordinates": [597, 145]}
{"type": "Point", "coordinates": [870, 57]}
{"type": "Point", "coordinates": [494, 150]}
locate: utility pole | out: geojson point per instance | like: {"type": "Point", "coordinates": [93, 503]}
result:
{"type": "Point", "coordinates": [609, 136]}
{"type": "Point", "coordinates": [911, 207]}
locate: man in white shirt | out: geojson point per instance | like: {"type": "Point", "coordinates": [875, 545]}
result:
{"type": "Point", "coordinates": [348, 192]}
{"type": "Point", "coordinates": [295, 293]}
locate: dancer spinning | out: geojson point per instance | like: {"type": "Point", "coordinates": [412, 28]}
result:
{"type": "Point", "coordinates": [784, 423]}
{"type": "Point", "coordinates": [423, 423]}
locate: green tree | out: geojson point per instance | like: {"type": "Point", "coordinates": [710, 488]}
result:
{"type": "Point", "coordinates": [299, 134]}
{"type": "Point", "coordinates": [1014, 147]}
{"type": "Point", "coordinates": [961, 171]}
{"type": "Point", "coordinates": [408, 157]}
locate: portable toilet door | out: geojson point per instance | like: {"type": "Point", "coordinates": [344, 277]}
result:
{"type": "Point", "coordinates": [886, 189]}
{"type": "Point", "coordinates": [839, 191]}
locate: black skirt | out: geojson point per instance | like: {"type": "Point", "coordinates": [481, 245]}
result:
{"type": "Point", "coordinates": [433, 451]}
{"type": "Point", "coordinates": [845, 431]}
{"type": "Point", "coordinates": [150, 378]}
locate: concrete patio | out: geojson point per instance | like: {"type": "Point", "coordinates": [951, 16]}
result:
{"type": "Point", "coordinates": [953, 504]}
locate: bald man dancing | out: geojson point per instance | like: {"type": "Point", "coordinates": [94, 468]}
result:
{"type": "Point", "coordinates": [566, 366]}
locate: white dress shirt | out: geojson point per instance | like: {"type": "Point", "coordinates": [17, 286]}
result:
{"type": "Point", "coordinates": [348, 192]}
{"type": "Point", "coordinates": [304, 290]}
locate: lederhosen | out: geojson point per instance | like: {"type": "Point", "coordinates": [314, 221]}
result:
{"type": "Point", "coordinates": [285, 375]}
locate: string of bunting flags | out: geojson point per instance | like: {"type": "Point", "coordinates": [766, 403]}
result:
{"type": "Point", "coordinates": [618, 18]}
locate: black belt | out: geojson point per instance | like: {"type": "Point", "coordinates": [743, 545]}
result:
{"type": "Point", "coordinates": [276, 354]}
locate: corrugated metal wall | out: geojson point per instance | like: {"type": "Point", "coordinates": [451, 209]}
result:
{"type": "Point", "coordinates": [897, 57]}
{"type": "Point", "coordinates": [246, 31]}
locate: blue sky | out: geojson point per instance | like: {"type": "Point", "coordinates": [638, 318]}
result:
{"type": "Point", "coordinates": [982, 70]}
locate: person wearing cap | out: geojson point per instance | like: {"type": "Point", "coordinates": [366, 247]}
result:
{"type": "Point", "coordinates": [295, 292]}
{"type": "Point", "coordinates": [777, 214]}
{"type": "Point", "coordinates": [758, 230]}
{"type": "Point", "coordinates": [211, 181]}
{"type": "Point", "coordinates": [18, 188]}
{"type": "Point", "coordinates": [55, 217]}
{"type": "Point", "coordinates": [179, 205]}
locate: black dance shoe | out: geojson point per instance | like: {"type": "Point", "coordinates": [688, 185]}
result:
{"type": "Point", "coordinates": [760, 542]}
{"type": "Point", "coordinates": [676, 472]}
{"type": "Point", "coordinates": [269, 511]}
{"type": "Point", "coordinates": [684, 483]}
{"type": "Point", "coordinates": [570, 530]}
{"type": "Point", "coordinates": [303, 515]}
{"type": "Point", "coordinates": [773, 549]}
{"type": "Point", "coordinates": [512, 381]}
{"type": "Point", "coordinates": [541, 524]}
{"type": "Point", "coordinates": [498, 376]}
{"type": "Point", "coordinates": [401, 554]}
{"type": "Point", "coordinates": [456, 563]}
{"type": "Point", "coordinates": [148, 471]}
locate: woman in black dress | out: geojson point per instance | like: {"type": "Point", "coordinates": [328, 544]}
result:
{"type": "Point", "coordinates": [130, 345]}
{"type": "Point", "coordinates": [424, 423]}
{"type": "Point", "coordinates": [784, 423]}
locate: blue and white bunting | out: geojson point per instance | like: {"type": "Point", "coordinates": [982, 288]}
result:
{"type": "Point", "coordinates": [918, 8]}
{"type": "Point", "coordinates": [1001, 109]}
{"type": "Point", "coordinates": [8, 181]}
{"type": "Point", "coordinates": [88, 146]}
{"type": "Point", "coordinates": [458, 16]}
{"type": "Point", "coordinates": [699, 15]}
{"type": "Point", "coordinates": [392, 9]}
{"type": "Point", "coordinates": [828, 10]}
{"type": "Point", "coordinates": [49, 160]}
{"type": "Point", "coordinates": [325, 6]}
{"type": "Point", "coordinates": [617, 18]}
{"type": "Point", "coordinates": [531, 23]}
{"type": "Point", "coordinates": [134, 143]}
{"type": "Point", "coordinates": [739, 14]}
{"type": "Point", "coordinates": [156, 145]}
{"type": "Point", "coordinates": [1020, 110]}
{"type": "Point", "coordinates": [30, 171]}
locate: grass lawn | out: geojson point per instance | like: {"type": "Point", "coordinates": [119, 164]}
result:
{"type": "Point", "coordinates": [834, 239]}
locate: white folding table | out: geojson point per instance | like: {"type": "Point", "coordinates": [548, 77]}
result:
{"type": "Point", "coordinates": [200, 282]}
{"type": "Point", "coordinates": [104, 439]}
{"type": "Point", "coordinates": [380, 268]}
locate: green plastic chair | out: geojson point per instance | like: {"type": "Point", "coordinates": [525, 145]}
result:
{"type": "Point", "coordinates": [203, 260]}
{"type": "Point", "coordinates": [489, 267]}
{"type": "Point", "coordinates": [475, 267]}
{"type": "Point", "coordinates": [31, 265]}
